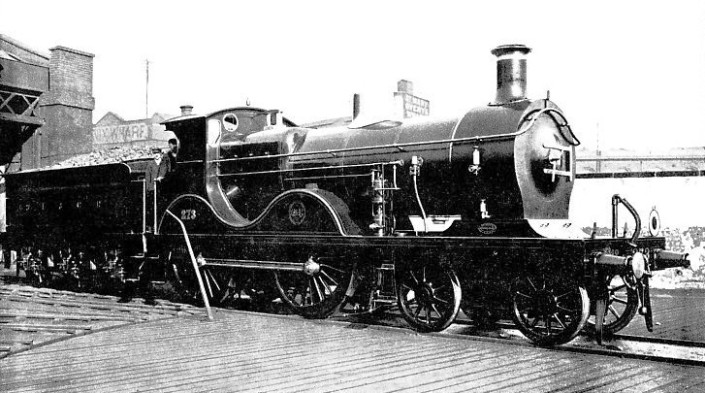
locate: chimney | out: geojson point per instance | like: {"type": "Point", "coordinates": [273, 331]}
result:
{"type": "Point", "coordinates": [511, 73]}
{"type": "Point", "coordinates": [186, 110]}
{"type": "Point", "coordinates": [405, 86]}
{"type": "Point", "coordinates": [356, 106]}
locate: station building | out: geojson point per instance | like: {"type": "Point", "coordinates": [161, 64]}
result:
{"type": "Point", "coordinates": [114, 131]}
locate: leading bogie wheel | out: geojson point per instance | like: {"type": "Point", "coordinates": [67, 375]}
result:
{"type": "Point", "coordinates": [316, 290]}
{"type": "Point", "coordinates": [549, 311]}
{"type": "Point", "coordinates": [429, 297]}
{"type": "Point", "coordinates": [622, 304]}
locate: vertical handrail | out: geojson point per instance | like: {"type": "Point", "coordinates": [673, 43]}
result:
{"type": "Point", "coordinates": [155, 230]}
{"type": "Point", "coordinates": [144, 206]}
{"type": "Point", "coordinates": [195, 265]}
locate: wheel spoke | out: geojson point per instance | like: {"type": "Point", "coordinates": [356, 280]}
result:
{"type": "Point", "coordinates": [560, 322]}
{"type": "Point", "coordinates": [437, 299]}
{"type": "Point", "coordinates": [413, 277]}
{"type": "Point", "coordinates": [524, 295]}
{"type": "Point", "coordinates": [613, 311]}
{"type": "Point", "coordinates": [436, 310]}
{"type": "Point", "coordinates": [532, 284]}
{"type": "Point", "coordinates": [323, 265]}
{"type": "Point", "coordinates": [318, 290]}
{"type": "Point", "coordinates": [329, 277]}
{"type": "Point", "coordinates": [215, 281]}
{"type": "Point", "coordinates": [225, 296]}
{"type": "Point", "coordinates": [547, 318]}
{"type": "Point", "coordinates": [535, 321]}
{"type": "Point", "coordinates": [325, 284]}
{"type": "Point", "coordinates": [418, 311]}
{"type": "Point", "coordinates": [208, 284]}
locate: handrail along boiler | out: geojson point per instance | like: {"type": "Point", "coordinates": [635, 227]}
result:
{"type": "Point", "coordinates": [360, 217]}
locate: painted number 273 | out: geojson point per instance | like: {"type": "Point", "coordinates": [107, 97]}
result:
{"type": "Point", "coordinates": [188, 214]}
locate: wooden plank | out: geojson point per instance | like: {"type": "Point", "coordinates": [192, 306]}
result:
{"type": "Point", "coordinates": [254, 352]}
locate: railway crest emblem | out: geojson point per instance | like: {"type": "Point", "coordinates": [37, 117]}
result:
{"type": "Point", "coordinates": [487, 228]}
{"type": "Point", "coordinates": [297, 212]}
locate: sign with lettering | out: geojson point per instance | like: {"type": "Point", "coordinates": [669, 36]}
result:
{"type": "Point", "coordinates": [121, 133]}
{"type": "Point", "coordinates": [413, 106]}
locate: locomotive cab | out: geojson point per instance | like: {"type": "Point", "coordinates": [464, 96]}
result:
{"type": "Point", "coordinates": [211, 146]}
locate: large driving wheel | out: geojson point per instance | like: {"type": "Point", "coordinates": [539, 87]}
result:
{"type": "Point", "coordinates": [429, 297]}
{"type": "Point", "coordinates": [227, 287]}
{"type": "Point", "coordinates": [317, 289]}
{"type": "Point", "coordinates": [221, 286]}
{"type": "Point", "coordinates": [549, 312]}
{"type": "Point", "coordinates": [622, 305]}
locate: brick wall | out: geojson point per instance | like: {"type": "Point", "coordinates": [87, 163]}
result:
{"type": "Point", "coordinates": [68, 106]}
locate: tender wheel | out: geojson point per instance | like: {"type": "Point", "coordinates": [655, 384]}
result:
{"type": "Point", "coordinates": [316, 290]}
{"type": "Point", "coordinates": [622, 305]}
{"type": "Point", "coordinates": [429, 297]}
{"type": "Point", "coordinates": [549, 312]}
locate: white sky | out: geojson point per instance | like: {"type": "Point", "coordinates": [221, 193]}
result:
{"type": "Point", "coordinates": [631, 71]}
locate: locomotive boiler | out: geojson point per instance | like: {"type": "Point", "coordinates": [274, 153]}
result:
{"type": "Point", "coordinates": [430, 215]}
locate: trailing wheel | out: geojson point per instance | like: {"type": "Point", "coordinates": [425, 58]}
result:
{"type": "Point", "coordinates": [549, 312]}
{"type": "Point", "coordinates": [429, 297]}
{"type": "Point", "coordinates": [622, 304]}
{"type": "Point", "coordinates": [315, 290]}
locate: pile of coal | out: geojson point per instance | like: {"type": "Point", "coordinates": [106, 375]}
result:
{"type": "Point", "coordinates": [110, 156]}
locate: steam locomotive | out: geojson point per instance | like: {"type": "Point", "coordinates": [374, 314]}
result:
{"type": "Point", "coordinates": [431, 215]}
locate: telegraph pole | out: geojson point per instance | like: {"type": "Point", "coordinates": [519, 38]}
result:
{"type": "Point", "coordinates": [146, 93]}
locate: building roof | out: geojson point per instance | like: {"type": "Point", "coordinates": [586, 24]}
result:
{"type": "Point", "coordinates": [7, 43]}
{"type": "Point", "coordinates": [8, 56]}
{"type": "Point", "coordinates": [110, 116]}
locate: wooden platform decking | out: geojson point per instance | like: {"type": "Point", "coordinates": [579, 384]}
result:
{"type": "Point", "coordinates": [243, 351]}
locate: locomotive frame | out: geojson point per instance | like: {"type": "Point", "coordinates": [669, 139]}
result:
{"type": "Point", "coordinates": [337, 219]}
